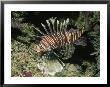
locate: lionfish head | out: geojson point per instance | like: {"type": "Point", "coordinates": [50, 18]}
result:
{"type": "Point", "coordinates": [37, 48]}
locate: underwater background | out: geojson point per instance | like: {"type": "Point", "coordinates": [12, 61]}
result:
{"type": "Point", "coordinates": [80, 59]}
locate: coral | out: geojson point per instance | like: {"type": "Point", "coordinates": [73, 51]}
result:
{"type": "Point", "coordinates": [75, 60]}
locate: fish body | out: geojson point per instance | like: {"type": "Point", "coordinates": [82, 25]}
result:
{"type": "Point", "coordinates": [58, 39]}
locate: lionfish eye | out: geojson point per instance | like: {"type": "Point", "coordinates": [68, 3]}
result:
{"type": "Point", "coordinates": [38, 48]}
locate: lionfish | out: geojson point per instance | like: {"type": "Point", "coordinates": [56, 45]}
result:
{"type": "Point", "coordinates": [57, 37]}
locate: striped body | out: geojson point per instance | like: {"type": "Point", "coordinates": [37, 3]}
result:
{"type": "Point", "coordinates": [58, 39]}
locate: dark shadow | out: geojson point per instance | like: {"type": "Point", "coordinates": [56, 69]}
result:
{"type": "Point", "coordinates": [82, 53]}
{"type": "Point", "coordinates": [36, 18]}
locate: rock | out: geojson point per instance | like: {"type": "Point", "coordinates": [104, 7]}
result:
{"type": "Point", "coordinates": [49, 67]}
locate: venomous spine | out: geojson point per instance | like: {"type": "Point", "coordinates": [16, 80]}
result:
{"type": "Point", "coordinates": [57, 37]}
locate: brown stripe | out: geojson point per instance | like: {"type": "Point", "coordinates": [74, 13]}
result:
{"type": "Point", "coordinates": [66, 39]}
{"type": "Point", "coordinates": [61, 38]}
{"type": "Point", "coordinates": [44, 42]}
{"type": "Point", "coordinates": [50, 41]}
{"type": "Point", "coordinates": [67, 35]}
{"type": "Point", "coordinates": [54, 40]}
{"type": "Point", "coordinates": [42, 45]}
{"type": "Point", "coordinates": [57, 40]}
{"type": "Point", "coordinates": [75, 36]}
{"type": "Point", "coordinates": [72, 36]}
